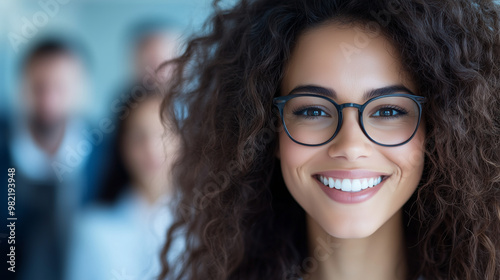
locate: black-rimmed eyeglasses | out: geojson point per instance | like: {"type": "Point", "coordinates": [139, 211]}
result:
{"type": "Point", "coordinates": [314, 120]}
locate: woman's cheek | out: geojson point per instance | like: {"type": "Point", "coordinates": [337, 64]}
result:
{"type": "Point", "coordinates": [409, 160]}
{"type": "Point", "coordinates": [296, 161]}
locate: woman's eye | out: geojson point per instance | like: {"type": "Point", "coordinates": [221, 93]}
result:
{"type": "Point", "coordinates": [311, 112]}
{"type": "Point", "coordinates": [388, 112]}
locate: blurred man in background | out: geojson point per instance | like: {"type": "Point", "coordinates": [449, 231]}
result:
{"type": "Point", "coordinates": [49, 150]}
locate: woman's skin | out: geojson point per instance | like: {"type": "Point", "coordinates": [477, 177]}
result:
{"type": "Point", "coordinates": [365, 240]}
{"type": "Point", "coordinates": [147, 152]}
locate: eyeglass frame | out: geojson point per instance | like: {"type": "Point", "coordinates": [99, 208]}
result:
{"type": "Point", "coordinates": [280, 102]}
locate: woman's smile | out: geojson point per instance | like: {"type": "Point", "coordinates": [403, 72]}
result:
{"type": "Point", "coordinates": [350, 186]}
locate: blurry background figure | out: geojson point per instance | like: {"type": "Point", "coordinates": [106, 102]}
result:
{"type": "Point", "coordinates": [123, 234]}
{"type": "Point", "coordinates": [53, 82]}
{"type": "Point", "coordinates": [153, 42]}
{"type": "Point", "coordinates": [47, 147]}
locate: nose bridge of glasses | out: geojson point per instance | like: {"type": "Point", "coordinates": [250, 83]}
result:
{"type": "Point", "coordinates": [345, 105]}
{"type": "Point", "coordinates": [343, 116]}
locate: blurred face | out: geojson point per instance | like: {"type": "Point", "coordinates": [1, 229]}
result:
{"type": "Point", "coordinates": [322, 179]}
{"type": "Point", "coordinates": [52, 86]}
{"type": "Point", "coordinates": [147, 152]}
{"type": "Point", "coordinates": [153, 51]}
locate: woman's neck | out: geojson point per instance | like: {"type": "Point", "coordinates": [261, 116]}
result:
{"type": "Point", "coordinates": [380, 256]}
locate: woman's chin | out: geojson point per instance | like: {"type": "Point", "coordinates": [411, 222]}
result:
{"type": "Point", "coordinates": [351, 233]}
{"type": "Point", "coordinates": [349, 228]}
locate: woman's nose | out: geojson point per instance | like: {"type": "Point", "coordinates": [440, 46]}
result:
{"type": "Point", "coordinates": [350, 143]}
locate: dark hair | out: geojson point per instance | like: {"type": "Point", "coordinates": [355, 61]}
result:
{"type": "Point", "coordinates": [239, 220]}
{"type": "Point", "coordinates": [51, 46]}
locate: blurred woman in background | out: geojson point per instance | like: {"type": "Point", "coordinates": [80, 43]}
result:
{"type": "Point", "coordinates": [123, 234]}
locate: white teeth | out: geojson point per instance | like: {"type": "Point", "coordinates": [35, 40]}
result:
{"type": "Point", "coordinates": [338, 184]}
{"type": "Point", "coordinates": [346, 185]}
{"type": "Point", "coordinates": [350, 185]}
{"type": "Point", "coordinates": [356, 185]}
{"type": "Point", "coordinates": [364, 184]}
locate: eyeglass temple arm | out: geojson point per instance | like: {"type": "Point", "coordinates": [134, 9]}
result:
{"type": "Point", "coordinates": [420, 99]}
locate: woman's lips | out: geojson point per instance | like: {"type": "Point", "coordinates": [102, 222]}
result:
{"type": "Point", "coordinates": [352, 174]}
{"type": "Point", "coordinates": [352, 186]}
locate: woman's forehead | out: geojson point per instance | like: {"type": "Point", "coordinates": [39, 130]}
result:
{"type": "Point", "coordinates": [346, 58]}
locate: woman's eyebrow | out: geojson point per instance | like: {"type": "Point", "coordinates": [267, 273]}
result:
{"type": "Point", "coordinates": [314, 89]}
{"type": "Point", "coordinates": [386, 90]}
{"type": "Point", "coordinates": [367, 95]}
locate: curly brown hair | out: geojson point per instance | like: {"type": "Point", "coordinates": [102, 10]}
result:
{"type": "Point", "coordinates": [233, 209]}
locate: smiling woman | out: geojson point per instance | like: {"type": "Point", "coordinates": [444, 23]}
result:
{"type": "Point", "coordinates": [340, 140]}
{"type": "Point", "coordinates": [350, 158]}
